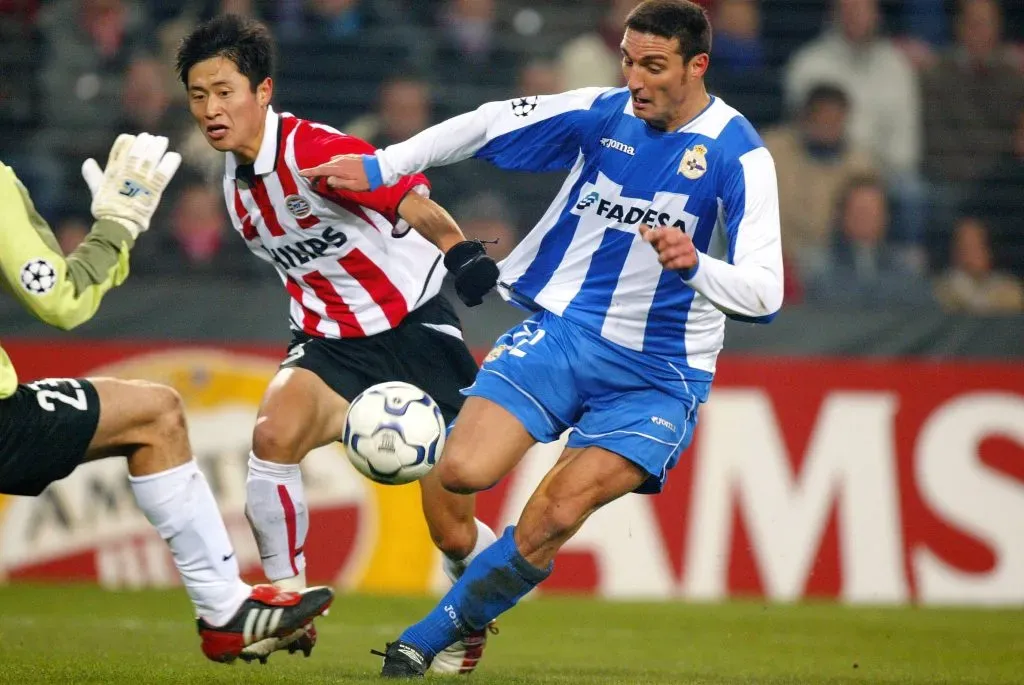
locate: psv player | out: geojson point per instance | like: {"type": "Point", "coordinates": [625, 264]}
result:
{"type": "Point", "coordinates": [365, 303]}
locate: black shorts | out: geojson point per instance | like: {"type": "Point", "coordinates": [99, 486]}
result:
{"type": "Point", "coordinates": [45, 430]}
{"type": "Point", "coordinates": [423, 350]}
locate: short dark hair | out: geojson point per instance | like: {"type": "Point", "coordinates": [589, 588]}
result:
{"type": "Point", "coordinates": [825, 93]}
{"type": "Point", "coordinates": [680, 19]}
{"type": "Point", "coordinates": [246, 42]}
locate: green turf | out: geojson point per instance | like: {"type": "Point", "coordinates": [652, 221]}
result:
{"type": "Point", "coordinates": [72, 634]}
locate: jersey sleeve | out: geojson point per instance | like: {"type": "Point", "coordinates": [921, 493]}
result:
{"type": "Point", "coordinates": [537, 133]}
{"type": "Point", "coordinates": [62, 292]}
{"type": "Point", "coordinates": [747, 284]}
{"type": "Point", "coordinates": [316, 144]}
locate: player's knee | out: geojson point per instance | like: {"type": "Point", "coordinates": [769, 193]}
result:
{"type": "Point", "coordinates": [276, 441]}
{"type": "Point", "coordinates": [167, 413]}
{"type": "Point", "coordinates": [461, 476]}
{"type": "Point", "coordinates": [559, 518]}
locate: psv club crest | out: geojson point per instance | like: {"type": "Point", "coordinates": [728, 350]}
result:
{"type": "Point", "coordinates": [694, 163]}
{"type": "Point", "coordinates": [298, 206]}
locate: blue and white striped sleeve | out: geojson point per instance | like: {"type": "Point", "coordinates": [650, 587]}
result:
{"type": "Point", "coordinates": [747, 285]}
{"type": "Point", "coordinates": [538, 133]}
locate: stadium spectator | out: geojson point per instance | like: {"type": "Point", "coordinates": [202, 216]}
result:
{"type": "Point", "coordinates": [403, 110]}
{"type": "Point", "coordinates": [539, 77]}
{"type": "Point", "coordinates": [814, 161]}
{"type": "Point", "coordinates": [471, 51]}
{"type": "Point", "coordinates": [865, 271]}
{"type": "Point", "coordinates": [738, 45]}
{"type": "Point", "coordinates": [197, 240]}
{"type": "Point", "coordinates": [972, 284]}
{"type": "Point", "coordinates": [997, 199]}
{"type": "Point", "coordinates": [885, 113]}
{"type": "Point", "coordinates": [487, 217]}
{"type": "Point", "coordinates": [70, 232]}
{"type": "Point", "coordinates": [594, 59]}
{"type": "Point", "coordinates": [88, 44]}
{"type": "Point", "coordinates": [972, 98]}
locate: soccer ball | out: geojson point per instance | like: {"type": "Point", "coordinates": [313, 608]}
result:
{"type": "Point", "coordinates": [394, 433]}
{"type": "Point", "coordinates": [38, 276]}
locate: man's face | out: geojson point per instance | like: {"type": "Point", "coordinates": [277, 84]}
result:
{"type": "Point", "coordinates": [228, 112]}
{"type": "Point", "coordinates": [970, 248]}
{"type": "Point", "coordinates": [866, 216]}
{"type": "Point", "coordinates": [825, 123]}
{"type": "Point", "coordinates": [657, 77]}
{"type": "Point", "coordinates": [858, 19]}
{"type": "Point", "coordinates": [404, 108]}
{"type": "Point", "coordinates": [979, 28]}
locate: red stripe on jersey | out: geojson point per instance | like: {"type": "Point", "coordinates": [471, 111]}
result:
{"type": "Point", "coordinates": [377, 284]}
{"type": "Point", "coordinates": [353, 208]}
{"type": "Point", "coordinates": [336, 307]}
{"type": "Point", "coordinates": [284, 174]}
{"type": "Point", "coordinates": [259, 193]}
{"type": "Point", "coordinates": [248, 230]}
{"type": "Point", "coordinates": [310, 320]}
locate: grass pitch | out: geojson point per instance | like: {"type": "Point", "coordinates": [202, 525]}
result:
{"type": "Point", "coordinates": [76, 634]}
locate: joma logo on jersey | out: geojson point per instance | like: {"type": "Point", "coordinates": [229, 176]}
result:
{"type": "Point", "coordinates": [303, 251]}
{"type": "Point", "coordinates": [626, 214]}
{"type": "Point", "coordinates": [613, 144]}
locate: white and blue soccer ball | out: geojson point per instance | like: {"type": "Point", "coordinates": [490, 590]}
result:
{"type": "Point", "coordinates": [394, 433]}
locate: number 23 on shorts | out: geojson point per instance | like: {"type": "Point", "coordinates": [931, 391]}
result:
{"type": "Point", "coordinates": [49, 389]}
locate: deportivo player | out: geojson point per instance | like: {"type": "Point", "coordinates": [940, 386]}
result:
{"type": "Point", "coordinates": [50, 426]}
{"type": "Point", "coordinates": [667, 224]}
{"type": "Point", "coordinates": [365, 302]}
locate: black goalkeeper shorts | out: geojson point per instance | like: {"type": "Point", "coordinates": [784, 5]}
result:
{"type": "Point", "coordinates": [426, 349]}
{"type": "Point", "coordinates": [45, 429]}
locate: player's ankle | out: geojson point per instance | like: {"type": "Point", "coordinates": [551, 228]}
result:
{"type": "Point", "coordinates": [293, 583]}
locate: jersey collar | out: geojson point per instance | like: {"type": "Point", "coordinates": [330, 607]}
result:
{"type": "Point", "coordinates": [266, 159]}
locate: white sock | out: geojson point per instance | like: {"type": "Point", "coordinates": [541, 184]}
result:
{"type": "Point", "coordinates": [179, 504]}
{"type": "Point", "coordinates": [276, 508]}
{"type": "Point", "coordinates": [485, 537]}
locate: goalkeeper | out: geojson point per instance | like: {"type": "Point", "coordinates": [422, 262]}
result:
{"type": "Point", "coordinates": [49, 427]}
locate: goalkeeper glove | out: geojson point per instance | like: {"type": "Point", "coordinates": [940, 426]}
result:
{"type": "Point", "coordinates": [129, 189]}
{"type": "Point", "coordinates": [475, 273]}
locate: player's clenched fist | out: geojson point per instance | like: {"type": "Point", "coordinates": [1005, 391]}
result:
{"type": "Point", "coordinates": [342, 171]}
{"type": "Point", "coordinates": [674, 247]}
{"type": "Point", "coordinates": [128, 190]}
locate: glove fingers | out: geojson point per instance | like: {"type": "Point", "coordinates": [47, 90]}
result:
{"type": "Point", "coordinates": [137, 151]}
{"type": "Point", "coordinates": [166, 169]}
{"type": "Point", "coordinates": [119, 151]}
{"type": "Point", "coordinates": [93, 175]}
{"type": "Point", "coordinates": [154, 154]}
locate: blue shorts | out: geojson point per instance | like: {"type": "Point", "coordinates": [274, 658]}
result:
{"type": "Point", "coordinates": [552, 375]}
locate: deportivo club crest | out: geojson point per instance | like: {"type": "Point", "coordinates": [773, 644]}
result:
{"type": "Point", "coordinates": [694, 163]}
{"type": "Point", "coordinates": [298, 206]}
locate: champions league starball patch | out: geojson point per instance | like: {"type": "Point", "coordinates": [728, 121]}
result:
{"type": "Point", "coordinates": [38, 276]}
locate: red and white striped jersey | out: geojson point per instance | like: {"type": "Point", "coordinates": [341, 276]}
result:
{"type": "Point", "coordinates": [348, 261]}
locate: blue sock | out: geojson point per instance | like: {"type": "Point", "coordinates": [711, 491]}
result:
{"type": "Point", "coordinates": [490, 586]}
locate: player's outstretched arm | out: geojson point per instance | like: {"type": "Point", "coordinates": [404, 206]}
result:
{"type": "Point", "coordinates": [538, 133]}
{"type": "Point", "coordinates": [66, 292]}
{"type": "Point", "coordinates": [474, 272]}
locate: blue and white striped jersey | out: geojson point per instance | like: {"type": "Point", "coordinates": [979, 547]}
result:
{"type": "Point", "coordinates": [584, 260]}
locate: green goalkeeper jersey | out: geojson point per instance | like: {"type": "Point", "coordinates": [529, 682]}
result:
{"type": "Point", "coordinates": [61, 291]}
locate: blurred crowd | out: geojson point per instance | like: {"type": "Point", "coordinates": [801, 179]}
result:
{"type": "Point", "coordinates": [897, 127]}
